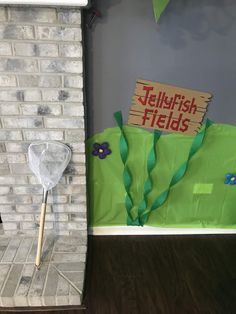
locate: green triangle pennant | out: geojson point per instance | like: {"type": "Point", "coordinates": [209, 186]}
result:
{"type": "Point", "coordinates": [158, 7]}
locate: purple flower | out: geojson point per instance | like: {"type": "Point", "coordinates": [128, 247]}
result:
{"type": "Point", "coordinates": [230, 179]}
{"type": "Point", "coordinates": [101, 150]}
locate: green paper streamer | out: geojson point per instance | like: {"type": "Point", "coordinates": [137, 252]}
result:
{"type": "Point", "coordinates": [158, 7]}
{"type": "Point", "coordinates": [127, 178]}
{"type": "Point", "coordinates": [151, 162]}
{"type": "Point", "coordinates": [179, 174]}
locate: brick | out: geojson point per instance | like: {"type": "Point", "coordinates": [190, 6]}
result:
{"type": "Point", "coordinates": [18, 65]}
{"type": "Point", "coordinates": [18, 147]}
{"type": "Point", "coordinates": [71, 50]}
{"type": "Point", "coordinates": [4, 169]}
{"type": "Point", "coordinates": [52, 199]}
{"type": "Point", "coordinates": [61, 66]}
{"type": "Point", "coordinates": [9, 109]}
{"type": "Point", "coordinates": [73, 110]}
{"type": "Point", "coordinates": [10, 226]}
{"type": "Point", "coordinates": [68, 189]}
{"type": "Point", "coordinates": [78, 158]}
{"type": "Point", "coordinates": [77, 136]}
{"type": "Point", "coordinates": [22, 254]}
{"type": "Point", "coordinates": [25, 49]}
{"type": "Point", "coordinates": [32, 50]}
{"type": "Point", "coordinates": [32, 95]}
{"type": "Point", "coordinates": [17, 217]}
{"type": "Point", "coordinates": [70, 208]}
{"type": "Point", "coordinates": [66, 258]}
{"type": "Point", "coordinates": [47, 50]}
{"type": "Point", "coordinates": [12, 158]}
{"type": "Point", "coordinates": [10, 95]}
{"type": "Point", "coordinates": [28, 80]}
{"type": "Point", "coordinates": [7, 209]}
{"type": "Point", "coordinates": [53, 217]}
{"type": "Point", "coordinates": [6, 135]}
{"type": "Point", "coordinates": [74, 169]}
{"type": "Point", "coordinates": [34, 180]}
{"type": "Point", "coordinates": [39, 81]}
{"type": "Point", "coordinates": [31, 190]}
{"type": "Point", "coordinates": [41, 110]}
{"type": "Point", "coordinates": [65, 123]}
{"type": "Point", "coordinates": [13, 180]}
{"type": "Point", "coordinates": [35, 15]}
{"type": "Point", "coordinates": [49, 225]}
{"type": "Point", "coordinates": [20, 169]}
{"type": "Point", "coordinates": [3, 15]}
{"type": "Point", "coordinates": [58, 33]}
{"type": "Point", "coordinates": [63, 95]}
{"type": "Point", "coordinates": [30, 233]}
{"type": "Point", "coordinates": [28, 225]}
{"type": "Point", "coordinates": [76, 179]}
{"type": "Point", "coordinates": [78, 199]}
{"type": "Point", "coordinates": [16, 158]}
{"type": "Point", "coordinates": [73, 81]}
{"type": "Point", "coordinates": [69, 16]}
{"type": "Point", "coordinates": [12, 31]}
{"type": "Point", "coordinates": [26, 275]}
{"type": "Point", "coordinates": [5, 49]}
{"type": "Point", "coordinates": [22, 122]}
{"type": "Point", "coordinates": [4, 190]}
{"type": "Point", "coordinates": [30, 208]}
{"type": "Point", "coordinates": [77, 147]}
{"type": "Point", "coordinates": [7, 80]}
{"type": "Point", "coordinates": [43, 135]}
{"type": "Point", "coordinates": [2, 148]}
{"type": "Point", "coordinates": [3, 159]}
{"type": "Point", "coordinates": [13, 199]}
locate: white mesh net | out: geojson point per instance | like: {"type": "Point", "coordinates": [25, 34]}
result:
{"type": "Point", "coordinates": [48, 160]}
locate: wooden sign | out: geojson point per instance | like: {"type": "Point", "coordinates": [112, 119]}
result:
{"type": "Point", "coordinates": [168, 108]}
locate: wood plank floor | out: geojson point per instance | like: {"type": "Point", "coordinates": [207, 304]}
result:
{"type": "Point", "coordinates": [160, 274]}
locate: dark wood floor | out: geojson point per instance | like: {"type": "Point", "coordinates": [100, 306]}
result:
{"type": "Point", "coordinates": [160, 274]}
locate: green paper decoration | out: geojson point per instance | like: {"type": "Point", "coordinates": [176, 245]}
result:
{"type": "Point", "coordinates": [148, 185]}
{"type": "Point", "coordinates": [127, 178]}
{"type": "Point", "coordinates": [158, 7]}
{"type": "Point", "coordinates": [179, 174]}
{"type": "Point", "coordinates": [199, 200]}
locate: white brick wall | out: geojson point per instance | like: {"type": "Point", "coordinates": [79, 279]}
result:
{"type": "Point", "coordinates": [41, 98]}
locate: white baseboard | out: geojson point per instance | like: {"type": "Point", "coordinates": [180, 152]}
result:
{"type": "Point", "coordinates": [128, 230]}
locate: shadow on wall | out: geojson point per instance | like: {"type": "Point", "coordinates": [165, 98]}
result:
{"type": "Point", "coordinates": [89, 53]}
{"type": "Point", "coordinates": [204, 17]}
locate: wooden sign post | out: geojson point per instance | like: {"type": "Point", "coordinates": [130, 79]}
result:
{"type": "Point", "coordinates": [168, 108]}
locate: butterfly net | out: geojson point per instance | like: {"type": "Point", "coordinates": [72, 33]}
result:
{"type": "Point", "coordinates": [48, 160]}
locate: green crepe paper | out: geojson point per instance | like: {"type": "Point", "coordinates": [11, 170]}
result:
{"type": "Point", "coordinates": [179, 174]}
{"type": "Point", "coordinates": [183, 208]}
{"type": "Point", "coordinates": [132, 218]}
{"type": "Point", "coordinates": [148, 185]}
{"type": "Point", "coordinates": [134, 214]}
{"type": "Point", "coordinates": [158, 7]}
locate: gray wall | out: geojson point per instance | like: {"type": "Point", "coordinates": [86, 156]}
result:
{"type": "Point", "coordinates": [193, 46]}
